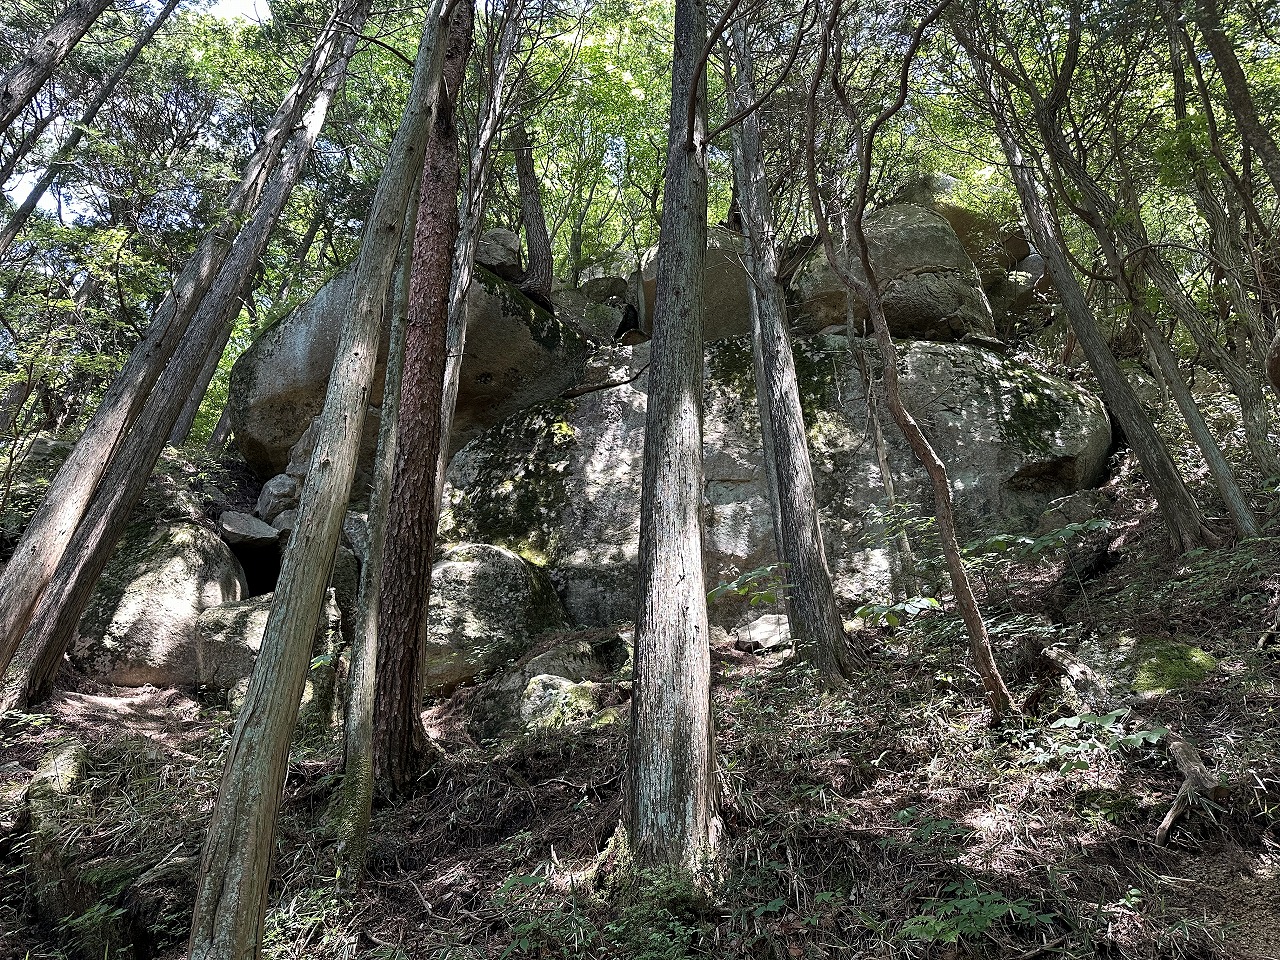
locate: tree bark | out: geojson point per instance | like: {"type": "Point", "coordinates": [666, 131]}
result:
{"type": "Point", "coordinates": [44, 541]}
{"type": "Point", "coordinates": [1252, 130]}
{"type": "Point", "coordinates": [671, 801]}
{"type": "Point", "coordinates": [232, 889]}
{"type": "Point", "coordinates": [538, 275]}
{"type": "Point", "coordinates": [21, 84]}
{"type": "Point", "coordinates": [868, 290]}
{"type": "Point", "coordinates": [35, 663]}
{"type": "Point", "coordinates": [1178, 507]}
{"type": "Point", "coordinates": [355, 801]}
{"type": "Point", "coordinates": [56, 164]}
{"type": "Point", "coordinates": [811, 602]}
{"type": "Point", "coordinates": [399, 738]}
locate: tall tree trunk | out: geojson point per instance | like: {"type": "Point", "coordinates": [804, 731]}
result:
{"type": "Point", "coordinates": [1243, 108]}
{"type": "Point", "coordinates": [399, 737]}
{"type": "Point", "coordinates": [538, 275]}
{"type": "Point", "coordinates": [35, 663]}
{"type": "Point", "coordinates": [355, 801]}
{"type": "Point", "coordinates": [671, 800]}
{"type": "Point", "coordinates": [231, 892]}
{"type": "Point", "coordinates": [1178, 507]}
{"type": "Point", "coordinates": [43, 543]}
{"type": "Point", "coordinates": [19, 86]}
{"type": "Point", "coordinates": [59, 160]}
{"type": "Point", "coordinates": [811, 600]}
{"type": "Point", "coordinates": [866, 287]}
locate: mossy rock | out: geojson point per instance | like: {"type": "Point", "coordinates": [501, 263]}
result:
{"type": "Point", "coordinates": [1161, 665]}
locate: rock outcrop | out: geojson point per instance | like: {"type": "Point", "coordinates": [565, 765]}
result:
{"type": "Point", "coordinates": [517, 354]}
{"type": "Point", "coordinates": [560, 482]}
{"type": "Point", "coordinates": [930, 287]}
{"type": "Point", "coordinates": [140, 626]}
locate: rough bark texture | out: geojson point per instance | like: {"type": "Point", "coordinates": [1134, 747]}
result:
{"type": "Point", "coordinates": [24, 80]}
{"type": "Point", "coordinates": [811, 601]}
{"type": "Point", "coordinates": [1239, 97]}
{"type": "Point", "coordinates": [53, 625]}
{"type": "Point", "coordinates": [355, 801]}
{"type": "Point", "coordinates": [414, 509]}
{"type": "Point", "coordinates": [538, 275]}
{"type": "Point", "coordinates": [78, 130]}
{"type": "Point", "coordinates": [44, 542]}
{"type": "Point", "coordinates": [1178, 507]}
{"type": "Point", "coordinates": [231, 891]}
{"type": "Point", "coordinates": [671, 802]}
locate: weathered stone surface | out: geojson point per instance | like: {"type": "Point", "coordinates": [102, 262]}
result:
{"type": "Point", "coordinates": [517, 354]}
{"type": "Point", "coordinates": [561, 481]}
{"type": "Point", "coordinates": [487, 605]}
{"type": "Point", "coordinates": [768, 634]}
{"type": "Point", "coordinates": [549, 702]}
{"type": "Point", "coordinates": [499, 250]}
{"type": "Point", "coordinates": [279, 494]}
{"type": "Point", "coordinates": [930, 287]}
{"type": "Point", "coordinates": [140, 626]}
{"type": "Point", "coordinates": [726, 288]}
{"type": "Point", "coordinates": [241, 528]}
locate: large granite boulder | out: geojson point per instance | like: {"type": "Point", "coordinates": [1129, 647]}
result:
{"type": "Point", "coordinates": [517, 353]}
{"type": "Point", "coordinates": [140, 626]}
{"type": "Point", "coordinates": [562, 479]}
{"type": "Point", "coordinates": [726, 290]}
{"type": "Point", "coordinates": [930, 287]}
{"type": "Point", "coordinates": [487, 605]}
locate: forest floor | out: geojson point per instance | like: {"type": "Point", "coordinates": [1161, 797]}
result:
{"type": "Point", "coordinates": [887, 820]}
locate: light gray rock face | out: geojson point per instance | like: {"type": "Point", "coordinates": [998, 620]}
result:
{"type": "Point", "coordinates": [562, 480]}
{"type": "Point", "coordinates": [768, 634]}
{"type": "Point", "coordinates": [140, 626]}
{"type": "Point", "coordinates": [229, 636]}
{"type": "Point", "coordinates": [279, 494]}
{"type": "Point", "coordinates": [499, 250]}
{"type": "Point", "coordinates": [517, 354]}
{"type": "Point", "coordinates": [487, 605]}
{"type": "Point", "coordinates": [930, 287]}
{"type": "Point", "coordinates": [242, 529]}
{"type": "Point", "coordinates": [726, 288]}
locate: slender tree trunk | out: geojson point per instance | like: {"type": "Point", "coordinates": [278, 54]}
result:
{"type": "Point", "coordinates": [399, 737]}
{"type": "Point", "coordinates": [19, 86]}
{"type": "Point", "coordinates": [56, 165]}
{"type": "Point", "coordinates": [538, 274]}
{"type": "Point", "coordinates": [231, 892]}
{"type": "Point", "coordinates": [1178, 507]}
{"type": "Point", "coordinates": [1243, 108]}
{"type": "Point", "coordinates": [811, 600]}
{"type": "Point", "coordinates": [868, 290]}
{"type": "Point", "coordinates": [44, 541]}
{"type": "Point", "coordinates": [355, 801]}
{"type": "Point", "coordinates": [35, 663]}
{"type": "Point", "coordinates": [671, 800]}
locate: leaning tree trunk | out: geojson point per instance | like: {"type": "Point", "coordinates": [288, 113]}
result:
{"type": "Point", "coordinates": [35, 663]}
{"type": "Point", "coordinates": [867, 289]}
{"type": "Point", "coordinates": [399, 738]}
{"type": "Point", "coordinates": [1178, 507]}
{"type": "Point", "coordinates": [671, 801]}
{"type": "Point", "coordinates": [43, 543]}
{"type": "Point", "coordinates": [59, 160]}
{"type": "Point", "coordinates": [1239, 97]}
{"type": "Point", "coordinates": [538, 275]}
{"type": "Point", "coordinates": [232, 889]}
{"type": "Point", "coordinates": [811, 600]}
{"type": "Point", "coordinates": [20, 85]}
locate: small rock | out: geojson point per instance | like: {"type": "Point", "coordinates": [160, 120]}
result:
{"type": "Point", "coordinates": [241, 528]}
{"type": "Point", "coordinates": [279, 494]}
{"type": "Point", "coordinates": [551, 702]}
{"type": "Point", "coordinates": [499, 250]}
{"type": "Point", "coordinates": [769, 634]}
{"type": "Point", "coordinates": [285, 522]}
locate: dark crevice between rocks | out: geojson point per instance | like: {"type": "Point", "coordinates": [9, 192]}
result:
{"type": "Point", "coordinates": [261, 563]}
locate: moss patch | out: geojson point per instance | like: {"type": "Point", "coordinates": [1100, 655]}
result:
{"type": "Point", "coordinates": [1163, 665]}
